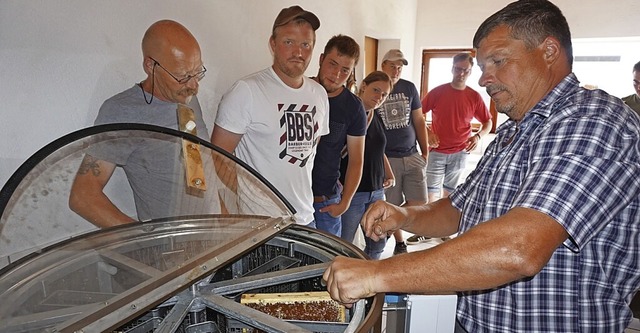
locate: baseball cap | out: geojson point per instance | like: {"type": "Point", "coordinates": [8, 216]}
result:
{"type": "Point", "coordinates": [393, 55]}
{"type": "Point", "coordinates": [288, 14]}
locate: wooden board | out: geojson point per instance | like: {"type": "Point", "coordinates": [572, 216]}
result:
{"type": "Point", "coordinates": [191, 151]}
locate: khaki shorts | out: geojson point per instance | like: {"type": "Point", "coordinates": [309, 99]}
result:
{"type": "Point", "coordinates": [411, 179]}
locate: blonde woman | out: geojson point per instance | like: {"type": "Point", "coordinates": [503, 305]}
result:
{"type": "Point", "coordinates": [376, 173]}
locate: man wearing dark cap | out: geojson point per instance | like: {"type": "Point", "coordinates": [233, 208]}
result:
{"type": "Point", "coordinates": [272, 119]}
{"type": "Point", "coordinates": [405, 129]}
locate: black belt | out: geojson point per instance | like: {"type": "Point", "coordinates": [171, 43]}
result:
{"type": "Point", "coordinates": [320, 198]}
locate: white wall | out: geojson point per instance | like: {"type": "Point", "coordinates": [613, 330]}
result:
{"type": "Point", "coordinates": [60, 59]}
{"type": "Point", "coordinates": [452, 23]}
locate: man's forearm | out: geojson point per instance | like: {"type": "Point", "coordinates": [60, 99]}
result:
{"type": "Point", "coordinates": [98, 209]}
{"type": "Point", "coordinates": [420, 127]}
{"type": "Point", "coordinates": [436, 219]}
{"type": "Point", "coordinates": [352, 179]}
{"type": "Point", "coordinates": [489, 255]}
{"type": "Point", "coordinates": [486, 128]}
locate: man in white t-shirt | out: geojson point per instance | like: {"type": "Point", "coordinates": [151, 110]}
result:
{"type": "Point", "coordinates": [272, 119]}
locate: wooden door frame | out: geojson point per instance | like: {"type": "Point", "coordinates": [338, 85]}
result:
{"type": "Point", "coordinates": [370, 55]}
{"type": "Point", "coordinates": [427, 55]}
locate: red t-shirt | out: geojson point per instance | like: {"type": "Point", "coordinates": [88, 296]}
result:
{"type": "Point", "coordinates": [451, 112]}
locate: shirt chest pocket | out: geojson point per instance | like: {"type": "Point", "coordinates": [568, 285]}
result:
{"type": "Point", "coordinates": [337, 133]}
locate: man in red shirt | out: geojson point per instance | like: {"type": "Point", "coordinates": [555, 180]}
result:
{"type": "Point", "coordinates": [453, 106]}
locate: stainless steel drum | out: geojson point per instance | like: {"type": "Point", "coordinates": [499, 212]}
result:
{"type": "Point", "coordinates": [184, 272]}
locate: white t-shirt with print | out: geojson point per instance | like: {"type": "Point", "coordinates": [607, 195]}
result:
{"type": "Point", "coordinates": [280, 127]}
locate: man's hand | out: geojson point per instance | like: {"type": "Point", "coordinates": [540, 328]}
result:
{"type": "Point", "coordinates": [382, 219]}
{"type": "Point", "coordinates": [432, 139]}
{"type": "Point", "coordinates": [472, 143]}
{"type": "Point", "coordinates": [349, 280]}
{"type": "Point", "coordinates": [388, 183]}
{"type": "Point", "coordinates": [335, 210]}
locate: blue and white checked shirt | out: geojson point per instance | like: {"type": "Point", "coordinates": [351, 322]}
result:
{"type": "Point", "coordinates": [575, 157]}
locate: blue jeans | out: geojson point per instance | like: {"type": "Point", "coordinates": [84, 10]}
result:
{"type": "Point", "coordinates": [444, 170]}
{"type": "Point", "coordinates": [326, 222]}
{"type": "Point", "coordinates": [351, 220]}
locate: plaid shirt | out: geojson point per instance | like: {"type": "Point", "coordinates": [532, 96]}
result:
{"type": "Point", "coordinates": [575, 157]}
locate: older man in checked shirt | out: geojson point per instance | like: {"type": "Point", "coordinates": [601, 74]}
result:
{"type": "Point", "coordinates": [549, 221]}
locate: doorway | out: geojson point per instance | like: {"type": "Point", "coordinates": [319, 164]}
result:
{"type": "Point", "coordinates": [370, 55]}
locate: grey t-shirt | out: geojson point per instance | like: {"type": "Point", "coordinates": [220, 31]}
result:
{"type": "Point", "coordinates": [130, 106]}
{"type": "Point", "coordinates": [152, 165]}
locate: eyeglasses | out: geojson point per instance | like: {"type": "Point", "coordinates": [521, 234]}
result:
{"type": "Point", "coordinates": [198, 76]}
{"type": "Point", "coordinates": [461, 70]}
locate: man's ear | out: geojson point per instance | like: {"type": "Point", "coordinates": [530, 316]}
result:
{"type": "Point", "coordinates": [147, 65]}
{"type": "Point", "coordinates": [272, 44]}
{"type": "Point", "coordinates": [551, 50]}
{"type": "Point", "coordinates": [321, 59]}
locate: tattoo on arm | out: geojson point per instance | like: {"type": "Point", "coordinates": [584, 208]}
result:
{"type": "Point", "coordinates": [89, 164]}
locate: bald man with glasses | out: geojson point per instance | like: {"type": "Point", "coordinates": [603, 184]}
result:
{"type": "Point", "coordinates": [173, 65]}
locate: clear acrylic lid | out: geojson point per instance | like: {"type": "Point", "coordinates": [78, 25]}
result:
{"type": "Point", "coordinates": [212, 229]}
{"type": "Point", "coordinates": [34, 203]}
